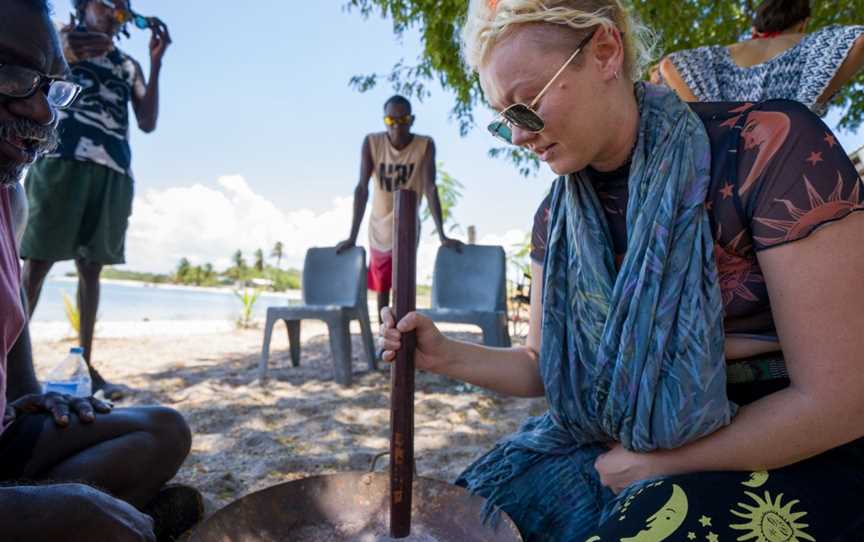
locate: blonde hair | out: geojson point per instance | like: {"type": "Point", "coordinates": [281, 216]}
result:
{"type": "Point", "coordinates": [489, 20]}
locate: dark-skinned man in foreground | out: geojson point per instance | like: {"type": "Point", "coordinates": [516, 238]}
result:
{"type": "Point", "coordinates": [48, 439]}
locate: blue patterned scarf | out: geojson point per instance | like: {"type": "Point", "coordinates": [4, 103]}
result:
{"type": "Point", "coordinates": [633, 356]}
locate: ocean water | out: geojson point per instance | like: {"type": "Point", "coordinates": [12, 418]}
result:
{"type": "Point", "coordinates": [140, 302]}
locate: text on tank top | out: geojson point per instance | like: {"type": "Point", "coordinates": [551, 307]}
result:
{"type": "Point", "coordinates": [392, 170]}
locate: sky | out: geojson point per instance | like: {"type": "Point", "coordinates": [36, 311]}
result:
{"type": "Point", "coordinates": [259, 135]}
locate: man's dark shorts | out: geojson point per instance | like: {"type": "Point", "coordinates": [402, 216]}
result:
{"type": "Point", "coordinates": [78, 210]}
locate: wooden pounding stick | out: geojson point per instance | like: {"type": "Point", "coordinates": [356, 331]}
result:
{"type": "Point", "coordinates": [402, 371]}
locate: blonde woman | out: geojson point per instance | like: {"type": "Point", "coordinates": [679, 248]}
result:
{"type": "Point", "coordinates": [684, 243]}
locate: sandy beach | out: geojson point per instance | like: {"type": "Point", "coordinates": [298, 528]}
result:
{"type": "Point", "coordinates": [248, 436]}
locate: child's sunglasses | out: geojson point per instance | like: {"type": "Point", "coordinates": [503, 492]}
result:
{"type": "Point", "coordinates": [523, 116]}
{"type": "Point", "coordinates": [390, 121]}
{"type": "Point", "coordinates": [124, 15]}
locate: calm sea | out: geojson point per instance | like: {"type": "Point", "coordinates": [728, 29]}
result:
{"type": "Point", "coordinates": [130, 303]}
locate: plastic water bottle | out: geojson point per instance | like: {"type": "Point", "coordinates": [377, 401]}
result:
{"type": "Point", "coordinates": [70, 376]}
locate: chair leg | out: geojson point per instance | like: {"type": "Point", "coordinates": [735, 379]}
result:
{"type": "Point", "coordinates": [368, 339]}
{"type": "Point", "coordinates": [265, 348]}
{"type": "Point", "coordinates": [340, 346]}
{"type": "Point", "coordinates": [495, 332]}
{"type": "Point", "coordinates": [294, 341]}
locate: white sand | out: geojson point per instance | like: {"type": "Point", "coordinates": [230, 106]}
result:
{"type": "Point", "coordinates": [248, 437]}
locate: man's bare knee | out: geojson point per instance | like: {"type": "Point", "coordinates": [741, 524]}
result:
{"type": "Point", "coordinates": [171, 431]}
{"type": "Point", "coordinates": [87, 270]}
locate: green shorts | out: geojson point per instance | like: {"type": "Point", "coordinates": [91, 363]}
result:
{"type": "Point", "coordinates": [78, 210]}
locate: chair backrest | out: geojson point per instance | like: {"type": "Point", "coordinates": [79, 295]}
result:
{"type": "Point", "coordinates": [473, 280]}
{"type": "Point", "coordinates": [334, 279]}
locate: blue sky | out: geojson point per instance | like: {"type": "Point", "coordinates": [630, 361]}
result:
{"type": "Point", "coordinates": [259, 133]}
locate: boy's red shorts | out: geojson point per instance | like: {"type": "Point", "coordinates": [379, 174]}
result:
{"type": "Point", "coordinates": [380, 274]}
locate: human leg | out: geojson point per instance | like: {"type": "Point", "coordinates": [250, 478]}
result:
{"type": "Point", "coordinates": [88, 306]}
{"type": "Point", "coordinates": [57, 196]}
{"type": "Point", "coordinates": [33, 278]}
{"type": "Point", "coordinates": [130, 452]}
{"type": "Point", "coordinates": [102, 242]}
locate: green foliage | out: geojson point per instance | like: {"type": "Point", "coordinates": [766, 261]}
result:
{"type": "Point", "coordinates": [439, 23]}
{"type": "Point", "coordinates": [240, 270]}
{"type": "Point", "coordinates": [284, 280]}
{"type": "Point", "coordinates": [679, 24]}
{"type": "Point", "coordinates": [112, 273]}
{"type": "Point", "coordinates": [195, 275]}
{"type": "Point", "coordinates": [278, 252]}
{"type": "Point", "coordinates": [73, 315]}
{"type": "Point", "coordinates": [519, 258]}
{"type": "Point", "coordinates": [259, 260]}
{"type": "Point", "coordinates": [449, 194]}
{"type": "Point", "coordinates": [247, 297]}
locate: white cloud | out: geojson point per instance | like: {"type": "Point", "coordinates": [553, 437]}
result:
{"type": "Point", "coordinates": [208, 223]}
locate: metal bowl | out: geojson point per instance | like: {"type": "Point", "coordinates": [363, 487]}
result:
{"type": "Point", "coordinates": [441, 512]}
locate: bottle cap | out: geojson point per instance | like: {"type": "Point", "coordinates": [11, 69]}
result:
{"type": "Point", "coordinates": [76, 350]}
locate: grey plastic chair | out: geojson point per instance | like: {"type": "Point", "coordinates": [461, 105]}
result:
{"type": "Point", "coordinates": [334, 290]}
{"type": "Point", "coordinates": [470, 288]}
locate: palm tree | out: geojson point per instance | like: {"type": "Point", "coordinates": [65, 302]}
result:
{"type": "Point", "coordinates": [208, 271]}
{"type": "Point", "coordinates": [239, 265]}
{"type": "Point", "coordinates": [278, 252]}
{"type": "Point", "coordinates": [182, 273]}
{"type": "Point", "coordinates": [259, 260]}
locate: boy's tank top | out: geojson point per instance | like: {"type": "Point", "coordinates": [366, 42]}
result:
{"type": "Point", "coordinates": [392, 170]}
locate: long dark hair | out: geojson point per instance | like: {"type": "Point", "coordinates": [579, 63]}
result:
{"type": "Point", "coordinates": [778, 15]}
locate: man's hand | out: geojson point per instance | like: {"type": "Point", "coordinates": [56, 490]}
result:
{"type": "Point", "coordinates": [160, 39]}
{"type": "Point", "coordinates": [345, 245]}
{"type": "Point", "coordinates": [455, 244]}
{"type": "Point", "coordinates": [84, 45]}
{"type": "Point", "coordinates": [60, 406]}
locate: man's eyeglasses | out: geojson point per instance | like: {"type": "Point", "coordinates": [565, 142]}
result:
{"type": "Point", "coordinates": [125, 15]}
{"type": "Point", "coordinates": [523, 116]}
{"type": "Point", "coordinates": [390, 121]}
{"type": "Point", "coordinates": [21, 83]}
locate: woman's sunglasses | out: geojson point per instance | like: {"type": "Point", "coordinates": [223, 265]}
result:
{"type": "Point", "coordinates": [390, 121]}
{"type": "Point", "coordinates": [21, 83]}
{"type": "Point", "coordinates": [523, 116]}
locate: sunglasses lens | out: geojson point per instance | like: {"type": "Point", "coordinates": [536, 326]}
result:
{"type": "Point", "coordinates": [141, 22]}
{"type": "Point", "coordinates": [500, 130]}
{"type": "Point", "coordinates": [390, 121]}
{"type": "Point", "coordinates": [522, 116]}
{"type": "Point", "coordinates": [62, 94]}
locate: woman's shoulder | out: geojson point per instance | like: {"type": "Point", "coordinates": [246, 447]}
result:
{"type": "Point", "coordinates": [703, 52]}
{"type": "Point", "coordinates": [832, 33]}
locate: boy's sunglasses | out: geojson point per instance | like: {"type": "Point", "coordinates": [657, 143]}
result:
{"type": "Point", "coordinates": [21, 83]}
{"type": "Point", "coordinates": [125, 15]}
{"type": "Point", "coordinates": [390, 121]}
{"type": "Point", "coordinates": [523, 116]}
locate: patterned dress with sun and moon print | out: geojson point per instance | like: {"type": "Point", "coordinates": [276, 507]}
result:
{"type": "Point", "coordinates": [778, 175]}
